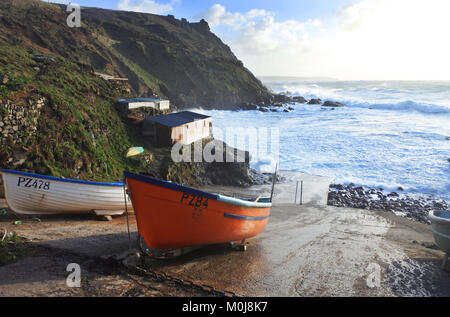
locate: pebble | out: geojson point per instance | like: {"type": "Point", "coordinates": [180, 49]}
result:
{"type": "Point", "coordinates": [373, 199]}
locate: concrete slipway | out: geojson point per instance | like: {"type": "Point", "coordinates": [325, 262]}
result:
{"type": "Point", "coordinates": [308, 250]}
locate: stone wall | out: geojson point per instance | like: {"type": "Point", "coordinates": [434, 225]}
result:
{"type": "Point", "coordinates": [121, 86]}
{"type": "Point", "coordinates": [18, 125]}
{"type": "Point", "coordinates": [18, 122]}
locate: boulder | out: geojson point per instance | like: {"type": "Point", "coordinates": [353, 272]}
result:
{"type": "Point", "coordinates": [337, 186]}
{"type": "Point", "coordinates": [299, 99]}
{"type": "Point", "coordinates": [281, 98]}
{"type": "Point", "coordinates": [315, 102]}
{"type": "Point", "coordinates": [333, 104]}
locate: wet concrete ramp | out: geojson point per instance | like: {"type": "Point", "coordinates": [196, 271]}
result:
{"type": "Point", "coordinates": [319, 251]}
{"type": "Point", "coordinates": [307, 250]}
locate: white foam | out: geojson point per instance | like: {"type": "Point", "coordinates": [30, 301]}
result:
{"type": "Point", "coordinates": [397, 143]}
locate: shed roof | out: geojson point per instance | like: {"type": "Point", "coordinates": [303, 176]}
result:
{"type": "Point", "coordinates": [129, 100]}
{"type": "Point", "coordinates": [178, 118]}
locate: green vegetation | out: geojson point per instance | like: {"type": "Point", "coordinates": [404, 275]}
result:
{"type": "Point", "coordinates": [80, 132]}
{"type": "Point", "coordinates": [147, 78]}
{"type": "Point", "coordinates": [11, 248]}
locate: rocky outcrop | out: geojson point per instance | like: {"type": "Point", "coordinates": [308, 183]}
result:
{"type": "Point", "coordinates": [315, 102]}
{"type": "Point", "coordinates": [248, 106]}
{"type": "Point", "coordinates": [231, 167]}
{"type": "Point", "coordinates": [375, 199]}
{"type": "Point", "coordinates": [333, 104]}
{"type": "Point", "coordinates": [299, 99]}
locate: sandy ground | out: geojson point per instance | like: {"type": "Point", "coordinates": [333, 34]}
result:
{"type": "Point", "coordinates": [307, 250]}
{"type": "Point", "coordinates": [89, 241]}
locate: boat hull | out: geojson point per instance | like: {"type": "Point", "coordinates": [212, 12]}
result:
{"type": "Point", "coordinates": [440, 223]}
{"type": "Point", "coordinates": [170, 216]}
{"type": "Point", "coordinates": [32, 194]}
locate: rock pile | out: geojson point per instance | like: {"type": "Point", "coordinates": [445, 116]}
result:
{"type": "Point", "coordinates": [264, 178]}
{"type": "Point", "coordinates": [375, 199]}
{"type": "Point", "coordinates": [281, 103]}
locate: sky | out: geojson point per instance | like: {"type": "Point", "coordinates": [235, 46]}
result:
{"type": "Point", "coordinates": [342, 39]}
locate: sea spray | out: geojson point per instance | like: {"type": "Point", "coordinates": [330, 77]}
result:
{"type": "Point", "coordinates": [390, 134]}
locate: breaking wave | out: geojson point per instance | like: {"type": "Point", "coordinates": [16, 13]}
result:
{"type": "Point", "coordinates": [409, 105]}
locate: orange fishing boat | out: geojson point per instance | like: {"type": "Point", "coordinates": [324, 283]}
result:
{"type": "Point", "coordinates": [170, 216]}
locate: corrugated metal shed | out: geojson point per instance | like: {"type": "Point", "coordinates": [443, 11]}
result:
{"type": "Point", "coordinates": [132, 100]}
{"type": "Point", "coordinates": [177, 119]}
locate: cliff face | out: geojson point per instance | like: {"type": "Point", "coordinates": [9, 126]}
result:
{"type": "Point", "coordinates": [159, 54]}
{"type": "Point", "coordinates": [57, 117]}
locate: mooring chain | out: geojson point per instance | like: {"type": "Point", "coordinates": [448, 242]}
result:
{"type": "Point", "coordinates": [162, 277]}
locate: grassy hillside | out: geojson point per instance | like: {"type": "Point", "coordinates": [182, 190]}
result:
{"type": "Point", "coordinates": [58, 118]}
{"type": "Point", "coordinates": [159, 54]}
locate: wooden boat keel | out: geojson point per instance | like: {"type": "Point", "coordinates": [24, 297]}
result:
{"type": "Point", "coordinates": [162, 254]}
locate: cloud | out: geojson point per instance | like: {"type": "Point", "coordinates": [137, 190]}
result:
{"type": "Point", "coordinates": [404, 39]}
{"type": "Point", "coordinates": [370, 39]}
{"type": "Point", "coordinates": [256, 31]}
{"type": "Point", "coordinates": [218, 15]}
{"type": "Point", "coordinates": [146, 6]}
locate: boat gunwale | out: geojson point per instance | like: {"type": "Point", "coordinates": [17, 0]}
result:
{"type": "Point", "coordinates": [65, 180]}
{"type": "Point", "coordinates": [246, 218]}
{"type": "Point", "coordinates": [181, 188]}
{"type": "Point", "coordinates": [437, 219]}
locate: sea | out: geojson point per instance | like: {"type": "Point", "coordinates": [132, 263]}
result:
{"type": "Point", "coordinates": [390, 134]}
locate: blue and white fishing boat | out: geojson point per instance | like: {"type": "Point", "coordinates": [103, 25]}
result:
{"type": "Point", "coordinates": [33, 194]}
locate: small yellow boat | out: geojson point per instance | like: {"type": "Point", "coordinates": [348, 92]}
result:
{"type": "Point", "coordinates": [134, 151]}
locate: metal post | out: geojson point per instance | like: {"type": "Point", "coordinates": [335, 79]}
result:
{"type": "Point", "coordinates": [301, 193]}
{"type": "Point", "coordinates": [296, 193]}
{"type": "Point", "coordinates": [444, 263]}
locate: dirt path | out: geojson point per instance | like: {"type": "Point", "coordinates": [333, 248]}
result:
{"type": "Point", "coordinates": [305, 251]}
